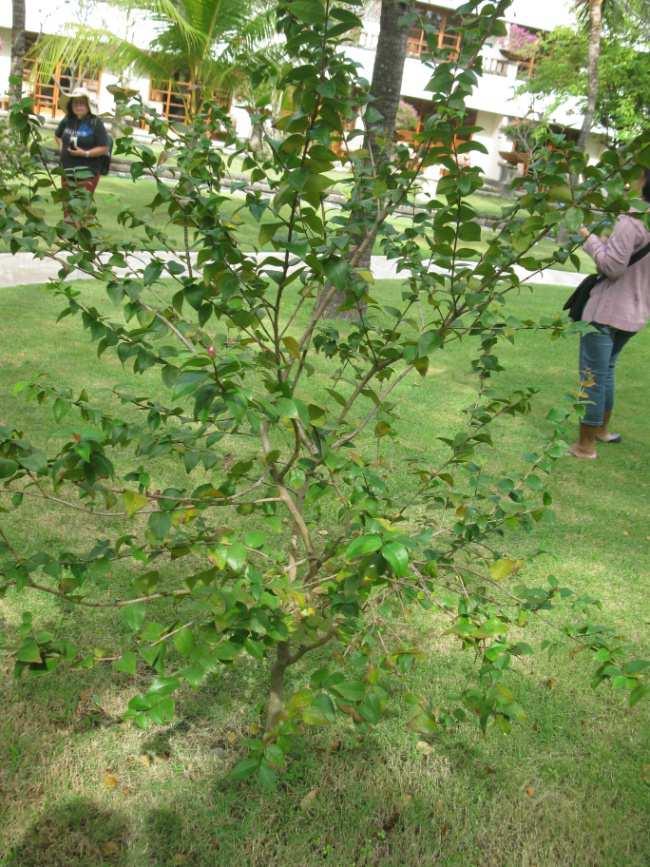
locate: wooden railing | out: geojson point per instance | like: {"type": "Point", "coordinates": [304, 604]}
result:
{"type": "Point", "coordinates": [47, 92]}
{"type": "Point", "coordinates": [445, 36]}
{"type": "Point", "coordinates": [174, 97]}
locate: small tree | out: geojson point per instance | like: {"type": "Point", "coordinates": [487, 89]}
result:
{"type": "Point", "coordinates": [280, 537]}
{"type": "Point", "coordinates": [623, 77]}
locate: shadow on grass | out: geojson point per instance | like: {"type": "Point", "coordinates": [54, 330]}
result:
{"type": "Point", "coordinates": [75, 833]}
{"type": "Point", "coordinates": [564, 788]}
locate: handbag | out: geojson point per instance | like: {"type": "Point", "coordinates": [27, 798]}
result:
{"type": "Point", "coordinates": [577, 301]}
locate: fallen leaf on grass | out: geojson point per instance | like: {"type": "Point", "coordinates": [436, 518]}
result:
{"type": "Point", "coordinates": [530, 791]}
{"type": "Point", "coordinates": [309, 799]}
{"type": "Point", "coordinates": [110, 780]}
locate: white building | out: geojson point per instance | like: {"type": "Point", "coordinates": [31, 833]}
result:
{"type": "Point", "coordinates": [494, 104]}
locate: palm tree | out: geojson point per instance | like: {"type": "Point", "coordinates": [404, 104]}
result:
{"type": "Point", "coordinates": [200, 42]}
{"type": "Point", "coordinates": [17, 50]}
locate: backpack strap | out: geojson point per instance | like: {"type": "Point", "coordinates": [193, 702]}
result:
{"type": "Point", "coordinates": [639, 255]}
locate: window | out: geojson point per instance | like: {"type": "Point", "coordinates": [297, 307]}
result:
{"type": "Point", "coordinates": [174, 96]}
{"type": "Point", "coordinates": [439, 22]}
{"type": "Point", "coordinates": [425, 108]}
{"type": "Point", "coordinates": [48, 90]}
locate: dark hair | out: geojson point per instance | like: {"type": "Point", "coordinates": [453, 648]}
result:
{"type": "Point", "coordinates": [645, 189]}
{"type": "Point", "coordinates": [70, 113]}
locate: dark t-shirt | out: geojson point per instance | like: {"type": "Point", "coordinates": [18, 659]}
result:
{"type": "Point", "coordinates": [91, 133]}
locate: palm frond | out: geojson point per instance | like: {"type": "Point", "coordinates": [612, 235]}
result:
{"type": "Point", "coordinates": [167, 13]}
{"type": "Point", "coordinates": [89, 48]}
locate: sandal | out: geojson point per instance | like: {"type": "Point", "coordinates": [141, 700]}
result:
{"type": "Point", "coordinates": [583, 456]}
{"type": "Point", "coordinates": [610, 438]}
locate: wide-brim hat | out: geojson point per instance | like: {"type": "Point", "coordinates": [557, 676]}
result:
{"type": "Point", "coordinates": [78, 93]}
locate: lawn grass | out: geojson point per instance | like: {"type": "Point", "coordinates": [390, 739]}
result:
{"type": "Point", "coordinates": [570, 786]}
{"type": "Point", "coordinates": [115, 194]}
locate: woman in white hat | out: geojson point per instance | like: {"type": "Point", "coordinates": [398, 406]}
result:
{"type": "Point", "coordinates": [82, 140]}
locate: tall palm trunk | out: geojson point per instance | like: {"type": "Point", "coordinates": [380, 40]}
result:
{"type": "Point", "coordinates": [17, 50]}
{"type": "Point", "coordinates": [385, 90]}
{"type": "Point", "coordinates": [595, 34]}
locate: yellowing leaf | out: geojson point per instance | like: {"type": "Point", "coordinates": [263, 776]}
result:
{"type": "Point", "coordinates": [504, 567]}
{"type": "Point", "coordinates": [110, 780]}
{"type": "Point", "coordinates": [133, 502]}
{"type": "Point", "coordinates": [292, 346]}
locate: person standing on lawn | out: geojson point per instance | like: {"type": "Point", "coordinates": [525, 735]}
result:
{"type": "Point", "coordinates": [82, 139]}
{"type": "Point", "coordinates": [618, 307]}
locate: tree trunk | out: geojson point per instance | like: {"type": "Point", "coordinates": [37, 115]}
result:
{"type": "Point", "coordinates": [387, 74]}
{"type": "Point", "coordinates": [17, 50]}
{"type": "Point", "coordinates": [275, 704]}
{"type": "Point", "coordinates": [385, 91]}
{"type": "Point", "coordinates": [595, 33]}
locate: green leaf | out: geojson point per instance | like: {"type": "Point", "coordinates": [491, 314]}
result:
{"type": "Point", "coordinates": [469, 232]}
{"type": "Point", "coordinates": [267, 775]}
{"type": "Point", "coordinates": [254, 539]}
{"type": "Point", "coordinates": [236, 556]}
{"type": "Point", "coordinates": [7, 468]}
{"type": "Point", "coordinates": [286, 408]}
{"type": "Point", "coordinates": [309, 11]}
{"type": "Point", "coordinates": [639, 692]}
{"type": "Point", "coordinates": [152, 272]}
{"type": "Point", "coordinates": [370, 709]}
{"type": "Point", "coordinates": [133, 615]}
{"type": "Point", "coordinates": [226, 651]}
{"type": "Point", "coordinates": [244, 768]}
{"type": "Point", "coordinates": [363, 545]}
{"type": "Point", "coordinates": [397, 557]}
{"type": "Point", "coordinates": [274, 755]}
{"type": "Point", "coordinates": [338, 272]}
{"type": "Point", "coordinates": [267, 231]}
{"type": "Point", "coordinates": [351, 690]}
{"type": "Point", "coordinates": [127, 663]}
{"type": "Point", "coordinates": [184, 642]}
{"type": "Point", "coordinates": [160, 524]}
{"type": "Point", "coordinates": [162, 712]}
{"type": "Point", "coordinates": [29, 651]}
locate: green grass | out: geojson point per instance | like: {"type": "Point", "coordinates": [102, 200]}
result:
{"type": "Point", "coordinates": [115, 194]}
{"type": "Point", "coordinates": [570, 786]}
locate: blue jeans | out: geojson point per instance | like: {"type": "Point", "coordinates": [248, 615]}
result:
{"type": "Point", "coordinates": [599, 351]}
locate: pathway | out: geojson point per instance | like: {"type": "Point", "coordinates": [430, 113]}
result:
{"type": "Point", "coordinates": [23, 269]}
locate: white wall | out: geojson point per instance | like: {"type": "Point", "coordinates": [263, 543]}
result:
{"type": "Point", "coordinates": [490, 138]}
{"type": "Point", "coordinates": [5, 59]}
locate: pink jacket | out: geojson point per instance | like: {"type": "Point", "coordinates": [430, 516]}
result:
{"type": "Point", "coordinates": [623, 299]}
